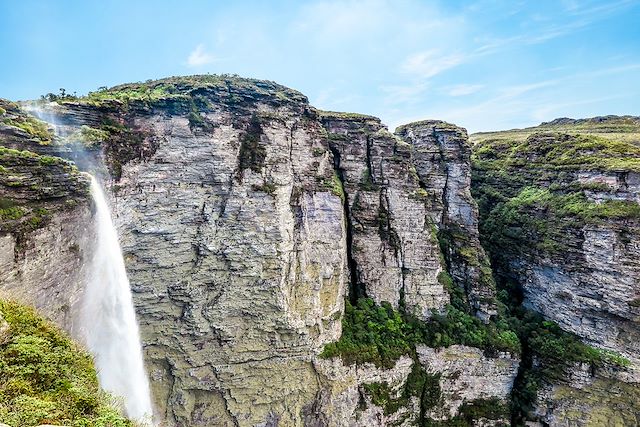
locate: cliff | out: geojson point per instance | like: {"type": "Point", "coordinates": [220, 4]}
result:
{"type": "Point", "coordinates": [247, 216]}
{"type": "Point", "coordinates": [560, 216]}
{"type": "Point", "coordinates": [291, 266]}
{"type": "Point", "coordinates": [45, 218]}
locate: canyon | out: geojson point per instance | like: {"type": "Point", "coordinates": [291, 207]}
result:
{"type": "Point", "coordinates": [297, 267]}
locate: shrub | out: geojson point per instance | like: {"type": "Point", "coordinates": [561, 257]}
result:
{"type": "Point", "coordinates": [47, 378]}
{"type": "Point", "coordinates": [379, 334]}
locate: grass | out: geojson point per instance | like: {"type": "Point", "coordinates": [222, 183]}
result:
{"type": "Point", "coordinates": [230, 89]}
{"type": "Point", "coordinates": [46, 377]}
{"type": "Point", "coordinates": [336, 187]}
{"type": "Point", "coordinates": [34, 127]}
{"type": "Point", "coordinates": [559, 151]}
{"type": "Point", "coordinates": [615, 128]}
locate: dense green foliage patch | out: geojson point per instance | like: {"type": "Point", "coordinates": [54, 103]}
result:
{"type": "Point", "coordinates": [46, 378]}
{"type": "Point", "coordinates": [379, 334]}
{"type": "Point", "coordinates": [541, 219]}
{"type": "Point", "coordinates": [559, 151]}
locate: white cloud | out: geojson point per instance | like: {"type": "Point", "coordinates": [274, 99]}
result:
{"type": "Point", "coordinates": [404, 94]}
{"type": "Point", "coordinates": [430, 63]}
{"type": "Point", "coordinates": [463, 89]}
{"type": "Point", "coordinates": [199, 56]}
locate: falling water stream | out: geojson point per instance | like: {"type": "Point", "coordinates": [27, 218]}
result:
{"type": "Point", "coordinates": [108, 318]}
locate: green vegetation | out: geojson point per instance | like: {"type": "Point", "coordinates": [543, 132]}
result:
{"type": "Point", "coordinates": [12, 213]}
{"type": "Point", "coordinates": [6, 153]}
{"type": "Point", "coordinates": [46, 378]}
{"type": "Point", "coordinates": [438, 124]}
{"type": "Point", "coordinates": [339, 115]}
{"type": "Point", "coordinates": [366, 183]}
{"type": "Point", "coordinates": [180, 91]}
{"type": "Point", "coordinates": [267, 187]}
{"type": "Point", "coordinates": [550, 353]}
{"type": "Point", "coordinates": [617, 128]}
{"type": "Point", "coordinates": [419, 383]}
{"type": "Point", "coordinates": [541, 220]}
{"type": "Point", "coordinates": [252, 153]}
{"type": "Point", "coordinates": [426, 387]}
{"type": "Point", "coordinates": [87, 136]}
{"type": "Point", "coordinates": [335, 185]}
{"type": "Point", "coordinates": [557, 151]}
{"type": "Point", "coordinates": [34, 127]}
{"type": "Point", "coordinates": [379, 334]}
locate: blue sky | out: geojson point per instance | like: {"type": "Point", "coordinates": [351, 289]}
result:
{"type": "Point", "coordinates": [482, 64]}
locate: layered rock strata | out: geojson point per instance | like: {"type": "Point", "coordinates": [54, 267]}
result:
{"type": "Point", "coordinates": [246, 217]}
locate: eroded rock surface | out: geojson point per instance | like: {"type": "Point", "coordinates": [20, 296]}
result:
{"type": "Point", "coordinates": [244, 216]}
{"type": "Point", "coordinates": [45, 226]}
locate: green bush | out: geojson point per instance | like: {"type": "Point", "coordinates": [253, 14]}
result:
{"type": "Point", "coordinates": [12, 213]}
{"type": "Point", "coordinates": [47, 378]}
{"type": "Point", "coordinates": [379, 334]}
{"type": "Point", "coordinates": [371, 333]}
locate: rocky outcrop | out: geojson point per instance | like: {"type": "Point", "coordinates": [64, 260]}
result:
{"type": "Point", "coordinates": [394, 253]}
{"type": "Point", "coordinates": [45, 224]}
{"type": "Point", "coordinates": [467, 375]}
{"type": "Point", "coordinates": [588, 398]}
{"type": "Point", "coordinates": [561, 218]}
{"type": "Point", "coordinates": [246, 217]}
{"type": "Point", "coordinates": [442, 162]}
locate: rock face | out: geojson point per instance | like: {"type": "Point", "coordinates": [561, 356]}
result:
{"type": "Point", "coordinates": [45, 225]}
{"type": "Point", "coordinates": [235, 246]}
{"type": "Point", "coordinates": [467, 375]}
{"type": "Point", "coordinates": [590, 399]}
{"type": "Point", "coordinates": [394, 254]}
{"type": "Point", "coordinates": [244, 215]}
{"type": "Point", "coordinates": [247, 217]}
{"type": "Point", "coordinates": [442, 162]}
{"type": "Point", "coordinates": [560, 214]}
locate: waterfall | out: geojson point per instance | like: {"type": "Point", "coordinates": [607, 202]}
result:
{"type": "Point", "coordinates": [108, 318]}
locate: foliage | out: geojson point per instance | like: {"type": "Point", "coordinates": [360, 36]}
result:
{"type": "Point", "coordinates": [12, 213]}
{"type": "Point", "coordinates": [419, 383]}
{"type": "Point", "coordinates": [335, 185]}
{"type": "Point", "coordinates": [181, 91]}
{"type": "Point", "coordinates": [491, 409]}
{"type": "Point", "coordinates": [540, 219]}
{"type": "Point", "coordinates": [252, 153]}
{"type": "Point", "coordinates": [617, 128]}
{"type": "Point", "coordinates": [379, 334]}
{"type": "Point", "coordinates": [46, 378]}
{"type": "Point", "coordinates": [550, 353]}
{"type": "Point", "coordinates": [371, 333]}
{"type": "Point", "coordinates": [32, 126]}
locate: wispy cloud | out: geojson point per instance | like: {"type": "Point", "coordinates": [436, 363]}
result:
{"type": "Point", "coordinates": [199, 56]}
{"type": "Point", "coordinates": [404, 94]}
{"type": "Point", "coordinates": [430, 63]}
{"type": "Point", "coordinates": [463, 89]}
{"type": "Point", "coordinates": [585, 8]}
